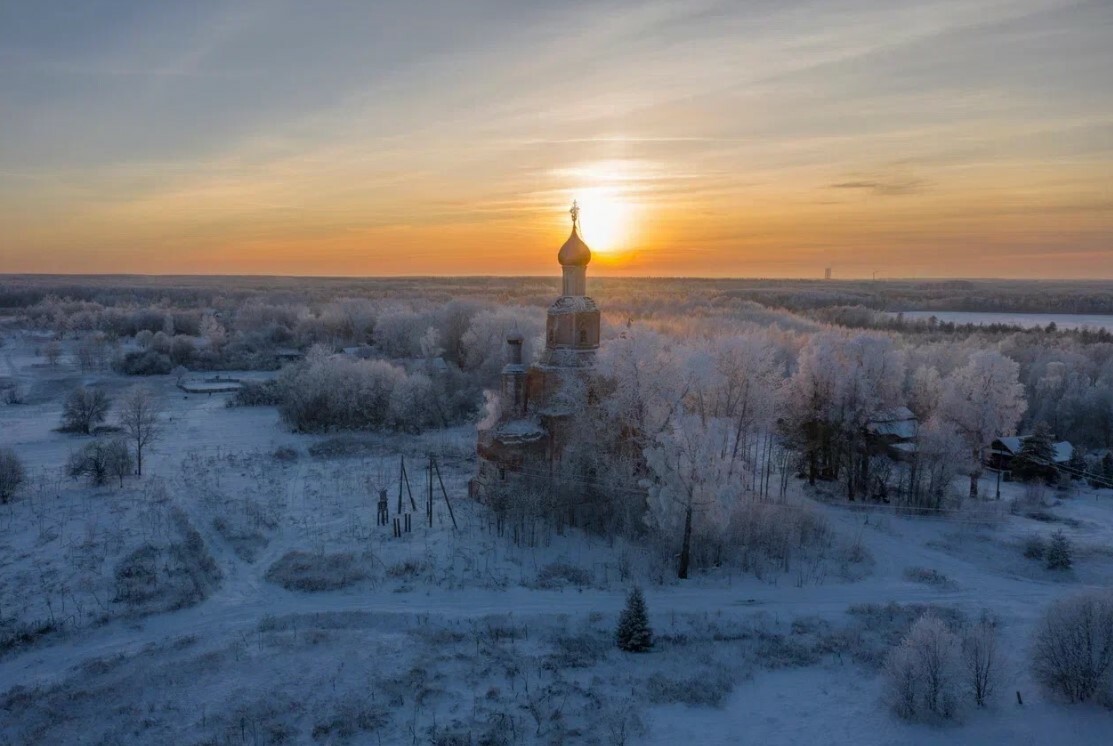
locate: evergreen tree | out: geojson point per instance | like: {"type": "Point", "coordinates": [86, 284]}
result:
{"type": "Point", "coordinates": [1107, 469]}
{"type": "Point", "coordinates": [1059, 552]}
{"type": "Point", "coordinates": [633, 634]}
{"type": "Point", "coordinates": [1036, 459]}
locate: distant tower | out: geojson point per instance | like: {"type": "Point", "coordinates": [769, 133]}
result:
{"type": "Point", "coordinates": [827, 274]}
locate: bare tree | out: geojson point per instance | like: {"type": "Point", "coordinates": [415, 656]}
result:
{"type": "Point", "coordinates": [84, 410]}
{"type": "Point", "coordinates": [982, 659]}
{"type": "Point", "coordinates": [141, 418]}
{"type": "Point", "coordinates": [12, 475]}
{"type": "Point", "coordinates": [99, 460]}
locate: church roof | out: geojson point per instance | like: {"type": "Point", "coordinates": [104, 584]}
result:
{"type": "Point", "coordinates": [574, 252]}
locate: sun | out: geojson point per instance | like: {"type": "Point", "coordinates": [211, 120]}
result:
{"type": "Point", "coordinates": [606, 219]}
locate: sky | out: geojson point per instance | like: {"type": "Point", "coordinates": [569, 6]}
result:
{"type": "Point", "coordinates": [751, 138]}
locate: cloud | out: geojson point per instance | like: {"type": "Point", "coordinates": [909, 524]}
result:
{"type": "Point", "coordinates": [884, 187]}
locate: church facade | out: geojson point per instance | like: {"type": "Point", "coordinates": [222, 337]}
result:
{"type": "Point", "coordinates": [538, 400]}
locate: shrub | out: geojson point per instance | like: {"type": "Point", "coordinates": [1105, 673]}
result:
{"type": "Point", "coordinates": [928, 576]}
{"type": "Point", "coordinates": [1073, 651]}
{"type": "Point", "coordinates": [560, 574]}
{"type": "Point", "coordinates": [12, 474]}
{"type": "Point", "coordinates": [1059, 552]}
{"type": "Point", "coordinates": [285, 453]}
{"type": "Point", "coordinates": [146, 363]}
{"type": "Point", "coordinates": [256, 394]}
{"type": "Point", "coordinates": [1034, 546]}
{"type": "Point", "coordinates": [923, 673]}
{"type": "Point", "coordinates": [302, 571]}
{"type": "Point", "coordinates": [633, 633]}
{"type": "Point", "coordinates": [707, 689]}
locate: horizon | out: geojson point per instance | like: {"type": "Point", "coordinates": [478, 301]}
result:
{"type": "Point", "coordinates": [944, 140]}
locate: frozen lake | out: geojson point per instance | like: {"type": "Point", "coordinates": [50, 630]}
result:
{"type": "Point", "coordinates": [1027, 320]}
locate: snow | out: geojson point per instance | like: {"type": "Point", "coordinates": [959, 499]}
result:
{"type": "Point", "coordinates": [1027, 320]}
{"type": "Point", "coordinates": [440, 613]}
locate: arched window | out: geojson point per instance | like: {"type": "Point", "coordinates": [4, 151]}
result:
{"type": "Point", "coordinates": [583, 336]}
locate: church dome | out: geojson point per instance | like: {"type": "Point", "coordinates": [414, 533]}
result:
{"type": "Point", "coordinates": [574, 252]}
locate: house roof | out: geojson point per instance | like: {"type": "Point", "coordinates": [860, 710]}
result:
{"type": "Point", "coordinates": [898, 422]}
{"type": "Point", "coordinates": [1062, 451]}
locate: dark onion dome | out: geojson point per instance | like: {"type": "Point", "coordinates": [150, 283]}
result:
{"type": "Point", "coordinates": [574, 252]}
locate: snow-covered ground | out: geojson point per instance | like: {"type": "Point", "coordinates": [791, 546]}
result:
{"type": "Point", "coordinates": [1026, 320]}
{"type": "Point", "coordinates": [460, 635]}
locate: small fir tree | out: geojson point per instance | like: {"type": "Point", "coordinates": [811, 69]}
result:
{"type": "Point", "coordinates": [633, 634]}
{"type": "Point", "coordinates": [1059, 552]}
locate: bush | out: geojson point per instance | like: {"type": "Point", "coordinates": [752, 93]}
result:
{"type": "Point", "coordinates": [12, 475]}
{"type": "Point", "coordinates": [256, 394]}
{"type": "Point", "coordinates": [1034, 546]}
{"type": "Point", "coordinates": [923, 673]}
{"type": "Point", "coordinates": [928, 576]}
{"type": "Point", "coordinates": [285, 453]}
{"type": "Point", "coordinates": [560, 574]}
{"type": "Point", "coordinates": [302, 571]}
{"type": "Point", "coordinates": [146, 363]}
{"type": "Point", "coordinates": [1073, 651]}
{"type": "Point", "coordinates": [633, 634]}
{"type": "Point", "coordinates": [1059, 552]}
{"type": "Point", "coordinates": [707, 689]}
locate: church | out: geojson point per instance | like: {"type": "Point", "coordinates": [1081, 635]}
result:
{"type": "Point", "coordinates": [537, 401]}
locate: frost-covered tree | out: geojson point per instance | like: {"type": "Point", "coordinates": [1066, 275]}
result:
{"type": "Point", "coordinates": [924, 673]}
{"type": "Point", "coordinates": [1073, 650]}
{"type": "Point", "coordinates": [634, 634]}
{"type": "Point", "coordinates": [691, 490]}
{"type": "Point", "coordinates": [12, 475]}
{"type": "Point", "coordinates": [212, 330]}
{"type": "Point", "coordinates": [84, 410]}
{"type": "Point", "coordinates": [983, 400]}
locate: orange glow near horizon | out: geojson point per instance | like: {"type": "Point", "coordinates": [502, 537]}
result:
{"type": "Point", "coordinates": [944, 138]}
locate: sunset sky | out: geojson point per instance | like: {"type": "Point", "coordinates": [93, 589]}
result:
{"type": "Point", "coordinates": [936, 138]}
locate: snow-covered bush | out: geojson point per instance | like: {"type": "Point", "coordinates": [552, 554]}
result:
{"type": "Point", "coordinates": [707, 688]}
{"type": "Point", "coordinates": [1072, 655]}
{"type": "Point", "coordinates": [928, 576]}
{"type": "Point", "coordinates": [924, 673]}
{"type": "Point", "coordinates": [304, 571]}
{"type": "Point", "coordinates": [1034, 546]}
{"type": "Point", "coordinates": [1059, 552]}
{"type": "Point", "coordinates": [561, 574]}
